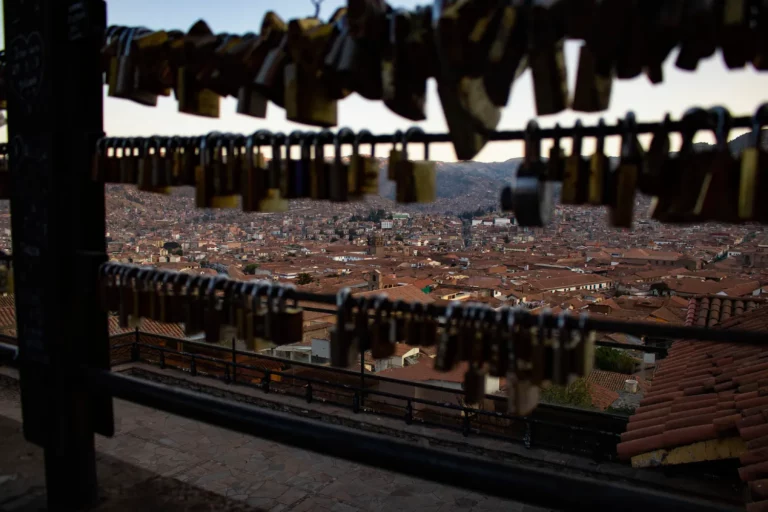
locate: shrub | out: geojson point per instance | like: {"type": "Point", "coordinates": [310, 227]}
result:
{"type": "Point", "coordinates": [575, 394]}
{"type": "Point", "coordinates": [614, 360]}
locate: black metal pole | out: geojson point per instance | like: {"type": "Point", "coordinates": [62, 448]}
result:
{"type": "Point", "coordinates": [531, 484]}
{"type": "Point", "coordinates": [608, 129]}
{"type": "Point", "coordinates": [362, 377]}
{"type": "Point", "coordinates": [54, 80]}
{"type": "Point", "coordinates": [234, 360]}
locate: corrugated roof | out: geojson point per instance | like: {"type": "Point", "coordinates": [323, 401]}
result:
{"type": "Point", "coordinates": [704, 391]}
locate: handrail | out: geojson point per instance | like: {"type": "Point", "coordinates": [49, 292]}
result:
{"type": "Point", "coordinates": [313, 385]}
{"type": "Point", "coordinates": [329, 369]}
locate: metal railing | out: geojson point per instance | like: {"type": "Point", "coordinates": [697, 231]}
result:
{"type": "Point", "coordinates": [581, 432]}
{"type": "Point", "coordinates": [524, 482]}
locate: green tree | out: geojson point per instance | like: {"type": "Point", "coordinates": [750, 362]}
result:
{"type": "Point", "coordinates": [614, 360]}
{"type": "Point", "coordinates": [334, 239]}
{"type": "Point", "coordinates": [304, 278]}
{"type": "Point", "coordinates": [399, 238]}
{"type": "Point", "coordinates": [250, 268]}
{"type": "Point", "coordinates": [506, 239]}
{"type": "Point", "coordinates": [575, 394]}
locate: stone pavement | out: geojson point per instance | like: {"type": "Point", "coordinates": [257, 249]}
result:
{"type": "Point", "coordinates": [154, 448]}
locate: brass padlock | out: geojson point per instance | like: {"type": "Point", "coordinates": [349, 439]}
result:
{"type": "Point", "coordinates": [531, 198]}
{"type": "Point", "coordinates": [718, 199]}
{"type": "Point", "coordinates": [288, 320]}
{"type": "Point", "coordinates": [364, 169]}
{"type": "Point", "coordinates": [344, 342]}
{"type": "Point", "coordinates": [253, 180]}
{"type": "Point", "coordinates": [320, 169]}
{"type": "Point", "coordinates": [274, 200]}
{"type": "Point", "coordinates": [754, 171]}
{"type": "Point", "coordinates": [340, 170]}
{"type": "Point", "coordinates": [415, 180]}
{"type": "Point", "coordinates": [626, 174]}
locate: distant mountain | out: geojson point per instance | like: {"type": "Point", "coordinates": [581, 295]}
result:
{"type": "Point", "coordinates": [738, 144]}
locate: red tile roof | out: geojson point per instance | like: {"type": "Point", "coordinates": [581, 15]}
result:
{"type": "Point", "coordinates": [424, 371]}
{"type": "Point", "coordinates": [602, 398]}
{"type": "Point", "coordinates": [710, 310]}
{"type": "Point", "coordinates": [8, 323]}
{"type": "Point", "coordinates": [707, 390]}
{"type": "Point", "coordinates": [148, 326]}
{"type": "Point", "coordinates": [407, 293]}
{"type": "Point", "coordinates": [613, 381]}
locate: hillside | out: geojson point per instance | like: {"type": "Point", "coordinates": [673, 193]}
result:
{"type": "Point", "coordinates": [460, 186]}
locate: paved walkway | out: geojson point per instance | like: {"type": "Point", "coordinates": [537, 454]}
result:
{"type": "Point", "coordinates": [251, 471]}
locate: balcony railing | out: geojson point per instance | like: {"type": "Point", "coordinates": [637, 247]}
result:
{"type": "Point", "coordinates": [560, 428]}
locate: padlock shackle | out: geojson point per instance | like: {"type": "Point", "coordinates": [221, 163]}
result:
{"type": "Point", "coordinates": [360, 139]}
{"type": "Point", "coordinates": [628, 135]}
{"type": "Point", "coordinates": [338, 141]}
{"type": "Point", "coordinates": [722, 122]}
{"type": "Point", "coordinates": [693, 120]}
{"type": "Point", "coordinates": [759, 119]}
{"type": "Point", "coordinates": [319, 141]}
{"type": "Point", "coordinates": [295, 135]}
{"type": "Point", "coordinates": [532, 142]}
{"type": "Point", "coordinates": [408, 135]}
{"type": "Point", "coordinates": [206, 142]}
{"type": "Point", "coordinates": [286, 292]}
{"type": "Point", "coordinates": [256, 139]}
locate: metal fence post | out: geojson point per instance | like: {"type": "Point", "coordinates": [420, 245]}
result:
{"type": "Point", "coordinates": [134, 352]}
{"type": "Point", "coordinates": [265, 381]}
{"type": "Point", "coordinates": [234, 361]}
{"type": "Point", "coordinates": [408, 413]}
{"type": "Point", "coordinates": [309, 392]}
{"type": "Point", "coordinates": [227, 378]}
{"type": "Point", "coordinates": [362, 377]}
{"type": "Point", "coordinates": [162, 359]}
{"type": "Point", "coordinates": [467, 424]}
{"type": "Point", "coordinates": [356, 402]}
{"type": "Point", "coordinates": [528, 437]}
{"type": "Point", "coordinates": [193, 367]}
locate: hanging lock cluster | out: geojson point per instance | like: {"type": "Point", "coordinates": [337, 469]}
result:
{"type": "Point", "coordinates": [495, 343]}
{"type": "Point", "coordinates": [257, 312]}
{"type": "Point", "coordinates": [713, 183]}
{"type": "Point", "coordinates": [475, 49]}
{"type": "Point", "coordinates": [696, 184]}
{"type": "Point", "coordinates": [227, 168]}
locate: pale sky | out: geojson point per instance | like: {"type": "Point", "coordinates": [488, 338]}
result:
{"type": "Point", "coordinates": [712, 84]}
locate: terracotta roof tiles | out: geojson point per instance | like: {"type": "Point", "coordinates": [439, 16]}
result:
{"type": "Point", "coordinates": [710, 310]}
{"type": "Point", "coordinates": [602, 398]}
{"type": "Point", "coordinates": [708, 390]}
{"type": "Point", "coordinates": [612, 380]}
